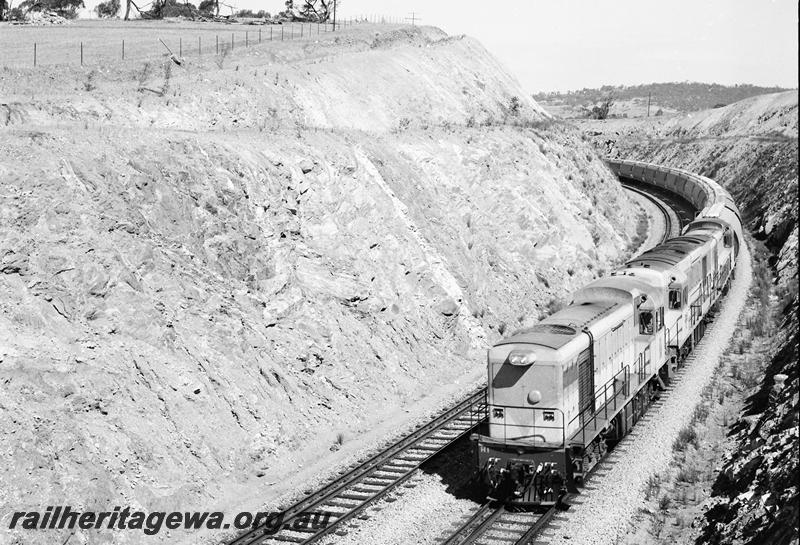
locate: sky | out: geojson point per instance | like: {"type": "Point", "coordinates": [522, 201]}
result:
{"type": "Point", "coordinates": [559, 45]}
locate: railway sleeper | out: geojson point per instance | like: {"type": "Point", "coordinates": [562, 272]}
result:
{"type": "Point", "coordinates": [334, 509]}
{"type": "Point", "coordinates": [397, 470]}
{"type": "Point", "coordinates": [402, 462]}
{"type": "Point", "coordinates": [447, 434]}
{"type": "Point", "coordinates": [274, 540]}
{"type": "Point", "coordinates": [388, 476]}
{"type": "Point", "coordinates": [383, 482]}
{"type": "Point", "coordinates": [494, 537]}
{"type": "Point", "coordinates": [428, 448]}
{"type": "Point", "coordinates": [358, 496]}
{"type": "Point", "coordinates": [348, 502]}
{"type": "Point", "coordinates": [393, 470]}
{"type": "Point", "coordinates": [435, 442]}
{"type": "Point", "coordinates": [365, 488]}
{"type": "Point", "coordinates": [512, 526]}
{"type": "Point", "coordinates": [304, 530]}
{"type": "Point", "coordinates": [417, 457]}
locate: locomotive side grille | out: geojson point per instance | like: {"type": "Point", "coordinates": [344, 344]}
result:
{"type": "Point", "coordinates": [555, 329]}
{"type": "Point", "coordinates": [585, 384]}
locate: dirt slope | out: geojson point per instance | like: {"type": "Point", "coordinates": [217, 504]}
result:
{"type": "Point", "coordinates": [208, 273]}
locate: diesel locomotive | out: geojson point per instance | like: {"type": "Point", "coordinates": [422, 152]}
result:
{"type": "Point", "coordinates": [561, 392]}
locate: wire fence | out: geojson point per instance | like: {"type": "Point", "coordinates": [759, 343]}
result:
{"type": "Point", "coordinates": [95, 42]}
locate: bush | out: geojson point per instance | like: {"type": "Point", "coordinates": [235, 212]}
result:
{"type": "Point", "coordinates": [207, 7]}
{"type": "Point", "coordinates": [65, 8]}
{"type": "Point", "coordinates": [685, 437]}
{"type": "Point", "coordinates": [248, 13]}
{"type": "Point", "coordinates": [16, 14]}
{"type": "Point", "coordinates": [107, 9]}
{"type": "Point", "coordinates": [173, 9]}
{"type": "Point", "coordinates": [601, 111]}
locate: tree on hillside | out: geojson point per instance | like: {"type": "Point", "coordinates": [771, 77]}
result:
{"type": "Point", "coordinates": [209, 7]}
{"type": "Point", "coordinates": [107, 9]}
{"type": "Point", "coordinates": [601, 111]}
{"type": "Point", "coordinates": [65, 8]}
{"type": "Point", "coordinates": [316, 11]}
{"type": "Point", "coordinates": [3, 9]}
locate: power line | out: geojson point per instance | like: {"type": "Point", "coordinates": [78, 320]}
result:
{"type": "Point", "coordinates": [413, 18]}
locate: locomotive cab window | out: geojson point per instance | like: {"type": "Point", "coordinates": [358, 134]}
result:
{"type": "Point", "coordinates": [646, 322]}
{"type": "Point", "coordinates": [728, 238]}
{"type": "Point", "coordinates": [675, 299]}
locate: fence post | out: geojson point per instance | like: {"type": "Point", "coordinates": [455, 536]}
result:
{"type": "Point", "coordinates": [281, 32]}
{"type": "Point", "coordinates": [217, 44]}
{"type": "Point", "coordinates": [270, 33]}
{"type": "Point", "coordinates": [199, 46]}
{"type": "Point", "coordinates": [246, 40]}
{"type": "Point", "coordinates": [81, 53]}
{"type": "Point", "coordinates": [123, 50]}
{"type": "Point", "coordinates": [301, 29]}
{"type": "Point", "coordinates": [231, 41]}
{"type": "Point", "coordinates": [180, 47]}
{"type": "Point", "coordinates": [259, 35]}
{"type": "Point", "coordinates": [34, 53]}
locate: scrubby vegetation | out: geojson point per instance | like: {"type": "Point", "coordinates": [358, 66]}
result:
{"type": "Point", "coordinates": [107, 9]}
{"type": "Point", "coordinates": [683, 96]}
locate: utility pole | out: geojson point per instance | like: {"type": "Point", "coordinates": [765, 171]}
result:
{"type": "Point", "coordinates": [413, 18]}
{"type": "Point", "coordinates": [334, 15]}
{"type": "Point", "coordinates": [648, 104]}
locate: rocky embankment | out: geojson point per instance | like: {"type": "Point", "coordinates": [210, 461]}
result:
{"type": "Point", "coordinates": [752, 148]}
{"type": "Point", "coordinates": [216, 274]}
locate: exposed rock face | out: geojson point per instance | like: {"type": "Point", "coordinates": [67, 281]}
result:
{"type": "Point", "coordinates": [756, 494]}
{"type": "Point", "coordinates": [186, 316]}
{"type": "Point", "coordinates": [752, 148]}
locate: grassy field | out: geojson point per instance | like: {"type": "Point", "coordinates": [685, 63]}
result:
{"type": "Point", "coordinates": [103, 40]}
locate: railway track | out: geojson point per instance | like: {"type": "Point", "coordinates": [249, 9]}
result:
{"type": "Point", "coordinates": [673, 221]}
{"type": "Point", "coordinates": [352, 492]}
{"type": "Point", "coordinates": [497, 525]}
{"type": "Point", "coordinates": [356, 489]}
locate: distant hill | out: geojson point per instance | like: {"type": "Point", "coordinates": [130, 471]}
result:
{"type": "Point", "coordinates": [682, 97]}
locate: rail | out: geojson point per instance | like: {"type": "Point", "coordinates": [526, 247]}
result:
{"type": "Point", "coordinates": [511, 527]}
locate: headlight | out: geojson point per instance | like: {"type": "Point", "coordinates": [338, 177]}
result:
{"type": "Point", "coordinates": [522, 357]}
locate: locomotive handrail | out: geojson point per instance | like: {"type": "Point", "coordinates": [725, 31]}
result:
{"type": "Point", "coordinates": [625, 372]}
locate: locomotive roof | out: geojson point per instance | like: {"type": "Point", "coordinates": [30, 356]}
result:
{"type": "Point", "coordinates": [670, 252]}
{"type": "Point", "coordinates": [560, 328]}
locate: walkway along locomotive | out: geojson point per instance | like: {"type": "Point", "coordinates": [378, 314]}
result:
{"type": "Point", "coordinates": [563, 390]}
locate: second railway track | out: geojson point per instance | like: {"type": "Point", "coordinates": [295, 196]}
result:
{"type": "Point", "coordinates": [355, 490]}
